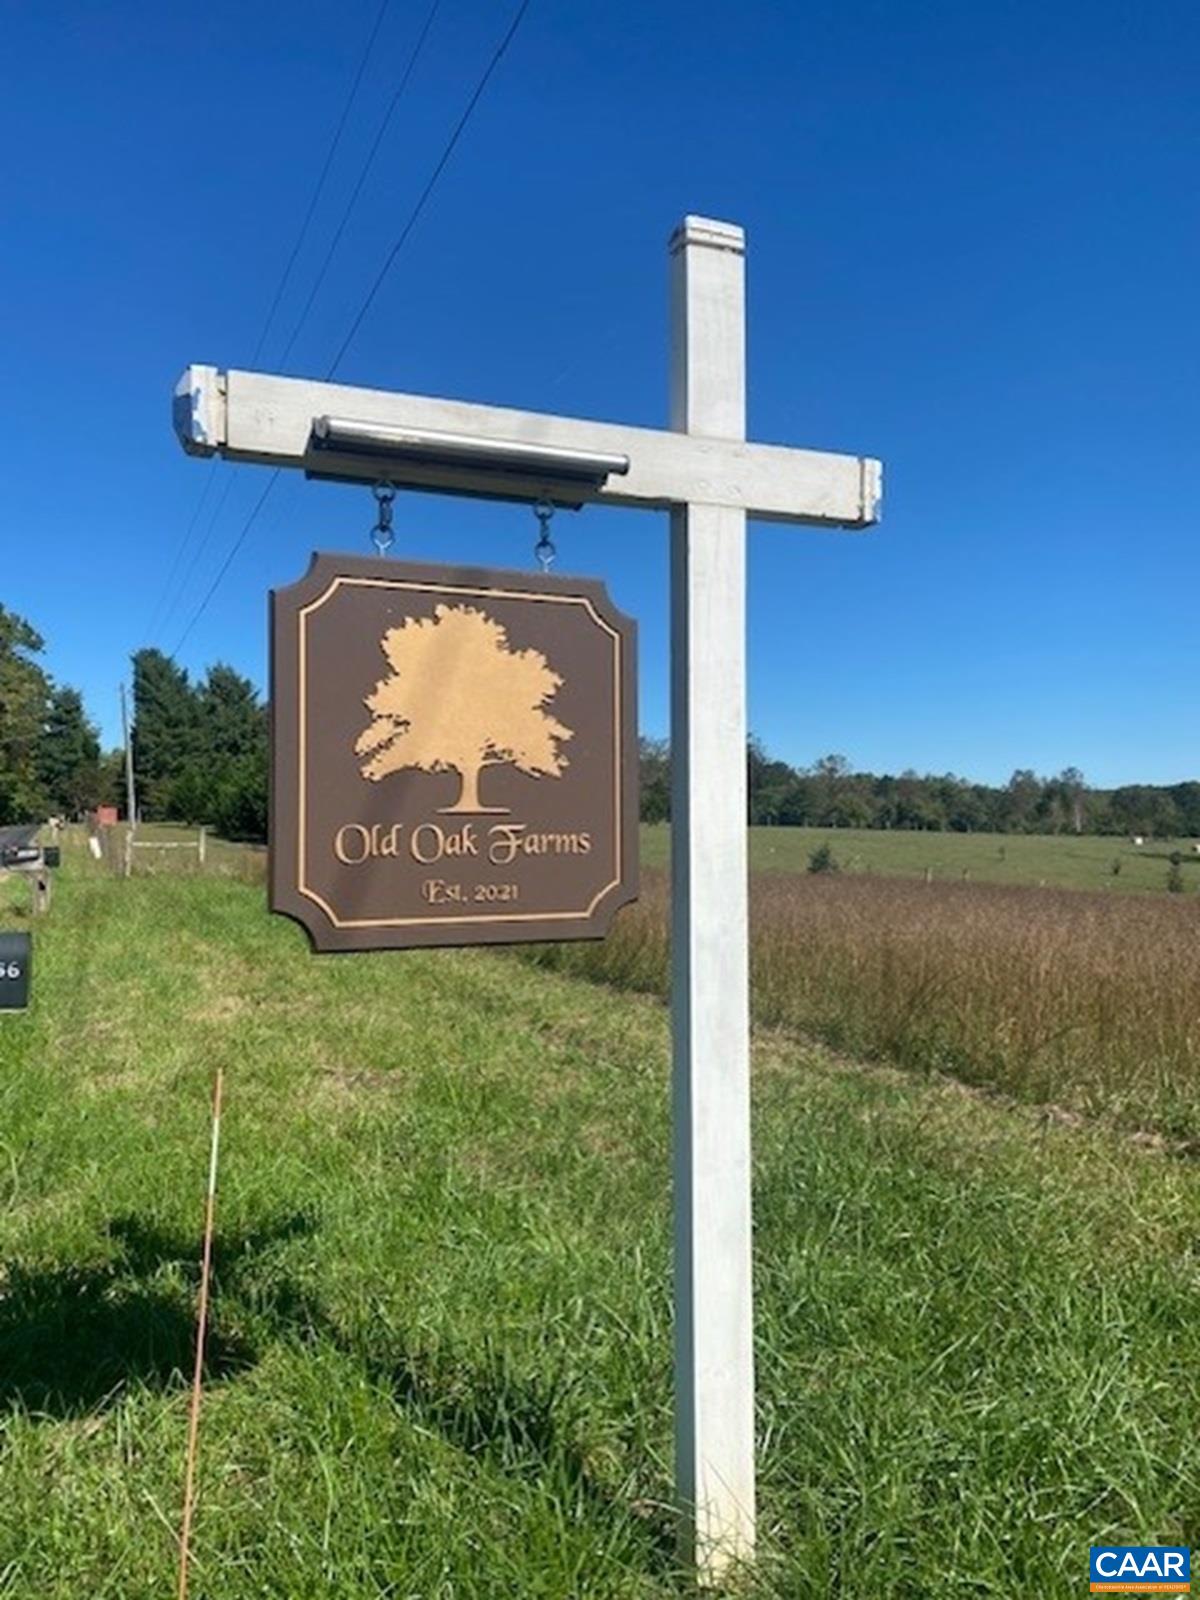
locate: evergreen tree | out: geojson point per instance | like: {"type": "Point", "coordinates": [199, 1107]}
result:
{"type": "Point", "coordinates": [232, 723]}
{"type": "Point", "coordinates": [240, 810]}
{"type": "Point", "coordinates": [68, 756]}
{"type": "Point", "coordinates": [166, 729]}
{"type": "Point", "coordinates": [200, 751]}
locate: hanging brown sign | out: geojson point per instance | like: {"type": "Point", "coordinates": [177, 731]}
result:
{"type": "Point", "coordinates": [454, 755]}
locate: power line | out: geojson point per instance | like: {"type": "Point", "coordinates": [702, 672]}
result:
{"type": "Point", "coordinates": [362, 178]}
{"type": "Point", "coordinates": [448, 151]}
{"type": "Point", "coordinates": [316, 194]}
{"type": "Point", "coordinates": [225, 565]}
{"type": "Point", "coordinates": [198, 551]}
{"type": "Point", "coordinates": [183, 544]}
{"type": "Point", "coordinates": [339, 129]}
{"type": "Point", "coordinates": [497, 55]}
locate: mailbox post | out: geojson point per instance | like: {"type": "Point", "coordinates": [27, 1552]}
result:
{"type": "Point", "coordinates": [35, 860]}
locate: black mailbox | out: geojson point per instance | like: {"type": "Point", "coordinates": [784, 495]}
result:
{"type": "Point", "coordinates": [21, 855]}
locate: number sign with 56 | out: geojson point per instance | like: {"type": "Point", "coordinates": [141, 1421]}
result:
{"type": "Point", "coordinates": [15, 954]}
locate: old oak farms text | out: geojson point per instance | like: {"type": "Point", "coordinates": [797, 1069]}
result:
{"type": "Point", "coordinates": [429, 843]}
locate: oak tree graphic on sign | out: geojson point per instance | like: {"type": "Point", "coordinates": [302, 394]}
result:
{"type": "Point", "coordinates": [458, 699]}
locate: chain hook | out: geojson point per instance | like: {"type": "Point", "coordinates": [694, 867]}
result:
{"type": "Point", "coordinates": [381, 534]}
{"type": "Point", "coordinates": [544, 549]}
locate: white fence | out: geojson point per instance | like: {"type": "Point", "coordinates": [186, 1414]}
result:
{"type": "Point", "coordinates": [132, 843]}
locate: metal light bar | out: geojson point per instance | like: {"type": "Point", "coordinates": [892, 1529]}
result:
{"type": "Point", "coordinates": [432, 448]}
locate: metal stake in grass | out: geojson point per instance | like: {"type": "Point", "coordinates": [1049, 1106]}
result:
{"type": "Point", "coordinates": [210, 1206]}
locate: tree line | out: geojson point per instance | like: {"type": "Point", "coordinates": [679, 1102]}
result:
{"type": "Point", "coordinates": [200, 756]}
{"type": "Point", "coordinates": [199, 749]}
{"type": "Point", "coordinates": [829, 794]}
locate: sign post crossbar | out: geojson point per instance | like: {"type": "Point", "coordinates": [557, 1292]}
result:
{"type": "Point", "coordinates": [710, 478]}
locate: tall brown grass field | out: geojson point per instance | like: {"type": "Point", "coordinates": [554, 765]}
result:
{"type": "Point", "coordinates": [1081, 1000]}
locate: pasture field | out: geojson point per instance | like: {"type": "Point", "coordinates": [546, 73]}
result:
{"type": "Point", "coordinates": [440, 1363]}
{"type": "Point", "coordinates": [1057, 861]}
{"type": "Point", "coordinates": [1088, 1003]}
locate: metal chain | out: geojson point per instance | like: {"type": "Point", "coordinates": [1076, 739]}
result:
{"type": "Point", "coordinates": [544, 550]}
{"type": "Point", "coordinates": [381, 534]}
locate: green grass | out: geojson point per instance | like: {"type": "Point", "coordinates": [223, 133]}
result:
{"type": "Point", "coordinates": [440, 1364]}
{"type": "Point", "coordinates": [1054, 861]}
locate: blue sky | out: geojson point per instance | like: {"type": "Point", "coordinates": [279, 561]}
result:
{"type": "Point", "coordinates": [974, 251]}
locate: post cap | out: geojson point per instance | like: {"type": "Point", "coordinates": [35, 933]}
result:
{"type": "Point", "coordinates": [708, 231]}
{"type": "Point", "coordinates": [197, 410]}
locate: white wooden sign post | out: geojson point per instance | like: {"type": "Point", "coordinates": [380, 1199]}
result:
{"type": "Point", "coordinates": [710, 983]}
{"type": "Point", "coordinates": [710, 479]}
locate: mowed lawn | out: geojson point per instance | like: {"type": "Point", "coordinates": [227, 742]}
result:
{"type": "Point", "coordinates": [440, 1364]}
{"type": "Point", "coordinates": [1056, 861]}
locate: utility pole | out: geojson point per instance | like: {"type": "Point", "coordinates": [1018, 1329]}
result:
{"type": "Point", "coordinates": [130, 795]}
